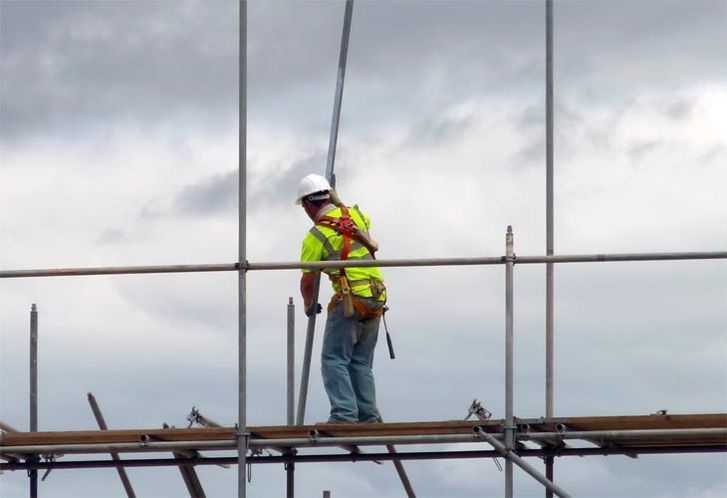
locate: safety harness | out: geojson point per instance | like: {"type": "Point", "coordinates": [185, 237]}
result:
{"type": "Point", "coordinates": [346, 227]}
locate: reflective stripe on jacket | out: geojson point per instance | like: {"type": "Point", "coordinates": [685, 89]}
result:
{"type": "Point", "coordinates": [322, 243]}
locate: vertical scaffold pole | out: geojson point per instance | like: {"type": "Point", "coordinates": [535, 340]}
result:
{"type": "Point", "coordinates": [33, 474]}
{"type": "Point", "coordinates": [550, 238]}
{"type": "Point", "coordinates": [290, 400]}
{"type": "Point", "coordinates": [509, 349]}
{"type": "Point", "coordinates": [242, 435]}
{"type": "Point", "coordinates": [290, 412]}
{"type": "Point", "coordinates": [330, 163]}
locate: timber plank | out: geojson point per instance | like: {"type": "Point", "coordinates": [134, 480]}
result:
{"type": "Point", "coordinates": [390, 429]}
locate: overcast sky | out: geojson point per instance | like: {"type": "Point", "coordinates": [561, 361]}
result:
{"type": "Point", "coordinates": [118, 146]}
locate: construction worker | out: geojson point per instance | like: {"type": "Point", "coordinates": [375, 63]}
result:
{"type": "Point", "coordinates": [354, 313]}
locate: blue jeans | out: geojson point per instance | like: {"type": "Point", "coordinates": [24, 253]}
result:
{"type": "Point", "coordinates": [347, 358]}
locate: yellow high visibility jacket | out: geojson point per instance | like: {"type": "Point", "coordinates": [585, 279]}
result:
{"type": "Point", "coordinates": [322, 243]}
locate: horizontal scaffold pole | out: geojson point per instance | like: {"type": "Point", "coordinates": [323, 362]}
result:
{"type": "Point", "coordinates": [320, 265]}
{"type": "Point", "coordinates": [706, 436]}
{"type": "Point", "coordinates": [362, 457]}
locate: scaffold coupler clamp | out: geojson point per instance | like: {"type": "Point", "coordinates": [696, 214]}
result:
{"type": "Point", "coordinates": [50, 459]}
{"type": "Point", "coordinates": [32, 459]}
{"type": "Point", "coordinates": [195, 417]}
{"type": "Point", "coordinates": [478, 410]}
{"type": "Point", "coordinates": [289, 464]}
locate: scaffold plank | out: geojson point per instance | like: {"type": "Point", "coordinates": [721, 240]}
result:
{"type": "Point", "coordinates": [614, 423]}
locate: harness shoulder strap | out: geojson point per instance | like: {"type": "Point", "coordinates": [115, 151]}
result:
{"type": "Point", "coordinates": [344, 225]}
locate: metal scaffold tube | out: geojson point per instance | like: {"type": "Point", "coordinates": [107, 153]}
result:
{"type": "Point", "coordinates": [330, 176]}
{"type": "Point", "coordinates": [114, 455]}
{"type": "Point", "coordinates": [367, 457]}
{"type": "Point", "coordinates": [290, 364]}
{"type": "Point", "coordinates": [511, 457]}
{"type": "Point", "coordinates": [407, 262]}
{"type": "Point", "coordinates": [550, 235]}
{"type": "Point", "coordinates": [714, 434]}
{"type": "Point", "coordinates": [242, 435]}
{"type": "Point", "coordinates": [509, 427]}
{"type": "Point", "coordinates": [290, 399]}
{"type": "Point", "coordinates": [307, 358]}
{"type": "Point", "coordinates": [33, 363]}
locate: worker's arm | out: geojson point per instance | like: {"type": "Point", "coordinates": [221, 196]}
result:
{"type": "Point", "coordinates": [308, 287]}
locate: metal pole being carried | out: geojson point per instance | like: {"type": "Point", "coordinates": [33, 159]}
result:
{"type": "Point", "coordinates": [242, 435]}
{"type": "Point", "coordinates": [33, 474]}
{"type": "Point", "coordinates": [330, 162]}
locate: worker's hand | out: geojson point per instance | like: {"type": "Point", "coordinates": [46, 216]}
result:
{"type": "Point", "coordinates": [314, 309]}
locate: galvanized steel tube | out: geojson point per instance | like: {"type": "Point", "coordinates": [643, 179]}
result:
{"type": "Point", "coordinates": [128, 488]}
{"type": "Point", "coordinates": [509, 353]}
{"type": "Point", "coordinates": [242, 436]}
{"type": "Point", "coordinates": [550, 244]}
{"type": "Point", "coordinates": [33, 474]}
{"type": "Point", "coordinates": [514, 458]}
{"type": "Point", "coordinates": [361, 457]}
{"type": "Point", "coordinates": [307, 358]}
{"type": "Point", "coordinates": [290, 412]}
{"type": "Point", "coordinates": [325, 441]}
{"type": "Point", "coordinates": [330, 163]}
{"type": "Point", "coordinates": [117, 270]}
{"type": "Point", "coordinates": [550, 238]}
{"type": "Point", "coordinates": [290, 369]}
{"type": "Point", "coordinates": [409, 262]}
{"type": "Point", "coordinates": [340, 79]}
{"type": "Point", "coordinates": [7, 427]}
{"type": "Point", "coordinates": [550, 232]}
{"type": "Point", "coordinates": [214, 445]}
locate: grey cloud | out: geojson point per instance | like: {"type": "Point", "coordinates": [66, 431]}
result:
{"type": "Point", "coordinates": [679, 109]}
{"type": "Point", "coordinates": [210, 196]}
{"type": "Point", "coordinates": [76, 66]}
{"type": "Point", "coordinates": [282, 186]}
{"type": "Point", "coordinates": [638, 150]}
{"type": "Point", "coordinates": [714, 153]}
{"type": "Point", "coordinates": [111, 236]}
{"type": "Point", "coordinates": [218, 194]}
{"type": "Point", "coordinates": [79, 65]}
{"type": "Point", "coordinates": [436, 129]}
{"type": "Point", "coordinates": [531, 124]}
{"type": "Point", "coordinates": [531, 153]}
{"type": "Point", "coordinates": [532, 116]}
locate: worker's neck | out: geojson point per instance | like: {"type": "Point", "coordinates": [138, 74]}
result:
{"type": "Point", "coordinates": [326, 208]}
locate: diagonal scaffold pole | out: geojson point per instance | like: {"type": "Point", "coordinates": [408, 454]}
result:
{"type": "Point", "coordinates": [114, 455]}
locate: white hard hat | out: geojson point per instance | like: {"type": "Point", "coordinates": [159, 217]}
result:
{"type": "Point", "coordinates": [310, 185]}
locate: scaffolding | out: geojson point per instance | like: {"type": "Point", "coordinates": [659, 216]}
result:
{"type": "Point", "coordinates": [511, 438]}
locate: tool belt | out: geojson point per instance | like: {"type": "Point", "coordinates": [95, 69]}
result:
{"type": "Point", "coordinates": [352, 303]}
